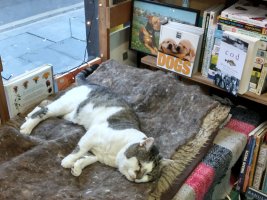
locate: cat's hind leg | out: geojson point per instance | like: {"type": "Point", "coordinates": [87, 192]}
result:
{"type": "Point", "coordinates": [81, 163]}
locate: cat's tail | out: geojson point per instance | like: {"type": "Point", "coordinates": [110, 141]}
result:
{"type": "Point", "coordinates": [81, 76]}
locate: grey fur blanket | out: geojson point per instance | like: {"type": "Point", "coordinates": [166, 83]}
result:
{"type": "Point", "coordinates": [180, 117]}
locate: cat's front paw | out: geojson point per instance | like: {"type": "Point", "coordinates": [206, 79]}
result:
{"type": "Point", "coordinates": [67, 162]}
{"type": "Point", "coordinates": [26, 127]}
{"type": "Point", "coordinates": [76, 170]}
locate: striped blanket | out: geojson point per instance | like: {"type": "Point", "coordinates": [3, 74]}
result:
{"type": "Point", "coordinates": [211, 178]}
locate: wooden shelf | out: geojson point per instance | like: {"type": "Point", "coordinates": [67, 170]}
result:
{"type": "Point", "coordinates": [262, 99]}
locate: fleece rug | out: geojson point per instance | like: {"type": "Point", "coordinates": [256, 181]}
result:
{"type": "Point", "coordinates": [182, 119]}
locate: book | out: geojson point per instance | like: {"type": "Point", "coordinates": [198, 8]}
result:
{"type": "Point", "coordinates": [235, 61]}
{"type": "Point", "coordinates": [205, 24]}
{"type": "Point", "coordinates": [254, 79]}
{"type": "Point", "coordinates": [252, 193]}
{"type": "Point", "coordinates": [235, 29]}
{"type": "Point", "coordinates": [258, 65]}
{"type": "Point", "coordinates": [210, 27]}
{"type": "Point", "coordinates": [179, 48]}
{"type": "Point", "coordinates": [264, 184]}
{"type": "Point", "coordinates": [242, 25]}
{"type": "Point", "coordinates": [262, 83]}
{"type": "Point", "coordinates": [259, 60]}
{"type": "Point", "coordinates": [242, 172]}
{"type": "Point", "coordinates": [214, 54]}
{"type": "Point", "coordinates": [259, 135]}
{"type": "Point", "coordinates": [248, 164]}
{"type": "Point", "coordinates": [244, 11]}
{"type": "Point", "coordinates": [26, 90]}
{"type": "Point", "coordinates": [260, 166]}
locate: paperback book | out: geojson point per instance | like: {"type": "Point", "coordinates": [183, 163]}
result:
{"type": "Point", "coordinates": [26, 90]}
{"type": "Point", "coordinates": [235, 62]}
{"type": "Point", "coordinates": [210, 27]}
{"type": "Point", "coordinates": [179, 48]}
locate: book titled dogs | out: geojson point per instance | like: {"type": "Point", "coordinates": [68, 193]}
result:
{"type": "Point", "coordinates": [179, 48]}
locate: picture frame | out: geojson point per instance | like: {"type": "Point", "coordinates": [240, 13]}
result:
{"type": "Point", "coordinates": [147, 16]}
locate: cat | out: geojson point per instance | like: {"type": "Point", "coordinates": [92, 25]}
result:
{"type": "Point", "coordinates": [112, 137]}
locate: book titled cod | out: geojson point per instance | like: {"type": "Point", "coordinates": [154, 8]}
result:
{"type": "Point", "coordinates": [26, 90]}
{"type": "Point", "coordinates": [235, 62]}
{"type": "Point", "coordinates": [179, 48]}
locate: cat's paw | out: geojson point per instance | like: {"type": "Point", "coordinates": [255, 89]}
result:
{"type": "Point", "coordinates": [76, 170]}
{"type": "Point", "coordinates": [67, 162]}
{"type": "Point", "coordinates": [26, 127]}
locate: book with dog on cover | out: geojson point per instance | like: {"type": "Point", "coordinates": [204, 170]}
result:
{"type": "Point", "coordinates": [235, 62]}
{"type": "Point", "coordinates": [26, 90]}
{"type": "Point", "coordinates": [179, 48]}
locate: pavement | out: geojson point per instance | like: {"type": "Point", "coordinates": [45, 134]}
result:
{"type": "Point", "coordinates": [56, 37]}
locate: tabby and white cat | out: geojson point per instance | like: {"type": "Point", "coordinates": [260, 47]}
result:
{"type": "Point", "coordinates": [112, 133]}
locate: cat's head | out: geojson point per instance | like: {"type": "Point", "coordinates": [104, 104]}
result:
{"type": "Point", "coordinates": [141, 162]}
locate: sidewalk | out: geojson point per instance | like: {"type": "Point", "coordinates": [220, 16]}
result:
{"type": "Point", "coordinates": [57, 37]}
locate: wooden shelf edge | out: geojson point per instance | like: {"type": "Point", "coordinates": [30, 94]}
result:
{"type": "Point", "coordinates": [262, 99]}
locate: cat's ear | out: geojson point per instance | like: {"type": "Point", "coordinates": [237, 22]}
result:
{"type": "Point", "coordinates": [147, 143]}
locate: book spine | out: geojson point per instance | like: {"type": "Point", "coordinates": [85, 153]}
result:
{"type": "Point", "coordinates": [258, 64]}
{"type": "Point", "coordinates": [248, 164]}
{"type": "Point", "coordinates": [264, 185]}
{"type": "Point", "coordinates": [215, 53]}
{"type": "Point", "coordinates": [243, 167]}
{"type": "Point", "coordinates": [260, 167]}
{"type": "Point", "coordinates": [203, 49]}
{"type": "Point", "coordinates": [255, 76]}
{"type": "Point", "coordinates": [225, 27]}
{"type": "Point", "coordinates": [239, 18]}
{"type": "Point", "coordinates": [262, 80]}
{"type": "Point", "coordinates": [259, 140]}
{"type": "Point", "coordinates": [241, 25]}
{"type": "Point", "coordinates": [208, 49]}
{"type": "Point", "coordinates": [255, 194]}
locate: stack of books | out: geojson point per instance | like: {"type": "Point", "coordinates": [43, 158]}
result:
{"type": "Point", "coordinates": [249, 25]}
{"type": "Point", "coordinates": [253, 176]}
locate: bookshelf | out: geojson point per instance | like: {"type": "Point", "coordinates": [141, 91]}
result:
{"type": "Point", "coordinates": [198, 78]}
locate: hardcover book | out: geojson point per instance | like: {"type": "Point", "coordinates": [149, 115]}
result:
{"type": "Point", "coordinates": [235, 62]}
{"type": "Point", "coordinates": [26, 90]}
{"type": "Point", "coordinates": [179, 48]}
{"type": "Point", "coordinates": [244, 11]}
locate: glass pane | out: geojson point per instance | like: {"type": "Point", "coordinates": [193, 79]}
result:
{"type": "Point", "coordinates": [37, 32]}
